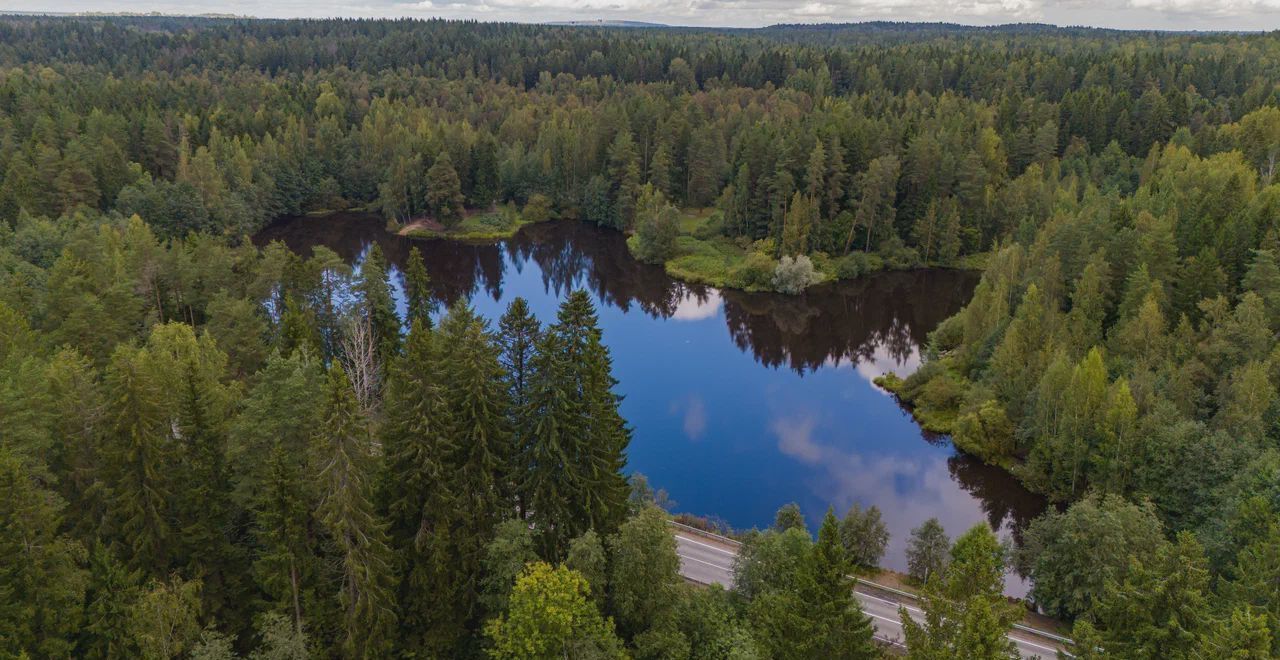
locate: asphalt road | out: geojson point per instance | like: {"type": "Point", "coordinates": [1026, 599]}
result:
{"type": "Point", "coordinates": [707, 561]}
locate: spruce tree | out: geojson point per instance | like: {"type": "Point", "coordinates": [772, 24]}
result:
{"type": "Point", "coordinates": [837, 628]}
{"type": "Point", "coordinates": [418, 490]}
{"type": "Point", "coordinates": [285, 529]}
{"type": "Point", "coordinates": [204, 502]}
{"type": "Point", "coordinates": [417, 290]}
{"type": "Point", "coordinates": [112, 588]}
{"type": "Point", "coordinates": [366, 586]}
{"type": "Point", "coordinates": [573, 464]}
{"type": "Point", "coordinates": [518, 333]}
{"type": "Point", "coordinates": [136, 462]}
{"type": "Point", "coordinates": [42, 581]}
{"type": "Point", "coordinates": [479, 437]}
{"type": "Point", "coordinates": [374, 286]}
{"type": "Point", "coordinates": [444, 191]}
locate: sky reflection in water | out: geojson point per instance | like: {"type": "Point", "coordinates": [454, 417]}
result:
{"type": "Point", "coordinates": [784, 410]}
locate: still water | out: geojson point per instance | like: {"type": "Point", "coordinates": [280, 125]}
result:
{"type": "Point", "coordinates": [739, 402]}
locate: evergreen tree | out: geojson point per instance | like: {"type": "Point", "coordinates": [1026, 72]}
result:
{"type": "Point", "coordinates": [418, 489]}
{"type": "Point", "coordinates": [836, 626]}
{"type": "Point", "coordinates": [205, 501]}
{"type": "Point", "coordinates": [518, 335]}
{"type": "Point", "coordinates": [505, 558]}
{"type": "Point", "coordinates": [420, 303]}
{"type": "Point", "coordinates": [1161, 608]}
{"type": "Point", "coordinates": [966, 614]}
{"type": "Point", "coordinates": [444, 191]}
{"type": "Point", "coordinates": [42, 580]}
{"type": "Point", "coordinates": [479, 440]}
{"type": "Point", "coordinates": [379, 307]}
{"type": "Point", "coordinates": [577, 449]}
{"type": "Point", "coordinates": [111, 591]}
{"type": "Point", "coordinates": [346, 511]}
{"type": "Point", "coordinates": [136, 461]}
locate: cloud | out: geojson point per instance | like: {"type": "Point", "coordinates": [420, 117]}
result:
{"type": "Point", "coordinates": [695, 415]}
{"type": "Point", "coordinates": [909, 488]}
{"type": "Point", "coordinates": [696, 308]}
{"type": "Point", "coordinates": [795, 438]}
{"type": "Point", "coordinates": [1142, 14]}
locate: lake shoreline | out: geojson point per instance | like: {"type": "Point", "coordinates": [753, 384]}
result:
{"type": "Point", "coordinates": [475, 230]}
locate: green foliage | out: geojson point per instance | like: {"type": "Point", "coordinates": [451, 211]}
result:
{"type": "Point", "coordinates": [864, 536]}
{"type": "Point", "coordinates": [789, 517]}
{"type": "Point", "coordinates": [928, 551]}
{"type": "Point", "coordinates": [346, 511]}
{"type": "Point", "coordinates": [644, 572]}
{"type": "Point", "coordinates": [965, 612]}
{"type": "Point", "coordinates": [552, 616]}
{"type": "Point", "coordinates": [794, 275]}
{"type": "Point", "coordinates": [41, 570]}
{"type": "Point", "coordinates": [656, 227]}
{"type": "Point", "coordinates": [1072, 556]}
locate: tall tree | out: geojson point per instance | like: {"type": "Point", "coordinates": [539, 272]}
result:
{"type": "Point", "coordinates": [366, 585]}
{"type": "Point", "coordinates": [444, 191]}
{"type": "Point", "coordinates": [836, 626]}
{"type": "Point", "coordinates": [966, 614]}
{"type": "Point", "coordinates": [577, 450]}
{"type": "Point", "coordinates": [42, 579]}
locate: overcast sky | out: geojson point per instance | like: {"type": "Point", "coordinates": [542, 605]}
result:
{"type": "Point", "coordinates": [1141, 14]}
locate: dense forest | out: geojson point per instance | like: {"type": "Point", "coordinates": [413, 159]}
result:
{"type": "Point", "coordinates": [218, 450]}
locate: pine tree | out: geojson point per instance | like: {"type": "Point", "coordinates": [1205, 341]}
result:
{"type": "Point", "coordinates": [346, 511]}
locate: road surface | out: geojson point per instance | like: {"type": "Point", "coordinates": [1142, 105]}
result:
{"type": "Point", "coordinates": [707, 560]}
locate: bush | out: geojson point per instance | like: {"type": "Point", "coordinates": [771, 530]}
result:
{"type": "Point", "coordinates": [793, 276]}
{"type": "Point", "coordinates": [493, 221]}
{"type": "Point", "coordinates": [753, 273]}
{"type": "Point", "coordinates": [656, 230]}
{"type": "Point", "coordinates": [537, 209]}
{"type": "Point", "coordinates": [898, 256]}
{"type": "Point", "coordinates": [857, 264]}
{"type": "Point", "coordinates": [713, 227]}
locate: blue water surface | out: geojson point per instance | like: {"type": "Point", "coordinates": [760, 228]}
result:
{"type": "Point", "coordinates": [739, 403]}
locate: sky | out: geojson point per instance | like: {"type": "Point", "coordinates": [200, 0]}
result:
{"type": "Point", "coordinates": [1127, 14]}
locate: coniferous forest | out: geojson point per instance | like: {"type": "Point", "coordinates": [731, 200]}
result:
{"type": "Point", "coordinates": [215, 450]}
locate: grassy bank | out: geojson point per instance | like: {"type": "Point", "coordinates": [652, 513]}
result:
{"type": "Point", "coordinates": [703, 255]}
{"type": "Point", "coordinates": [489, 225]}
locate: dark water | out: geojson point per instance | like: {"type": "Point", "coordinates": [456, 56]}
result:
{"type": "Point", "coordinates": [739, 402]}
